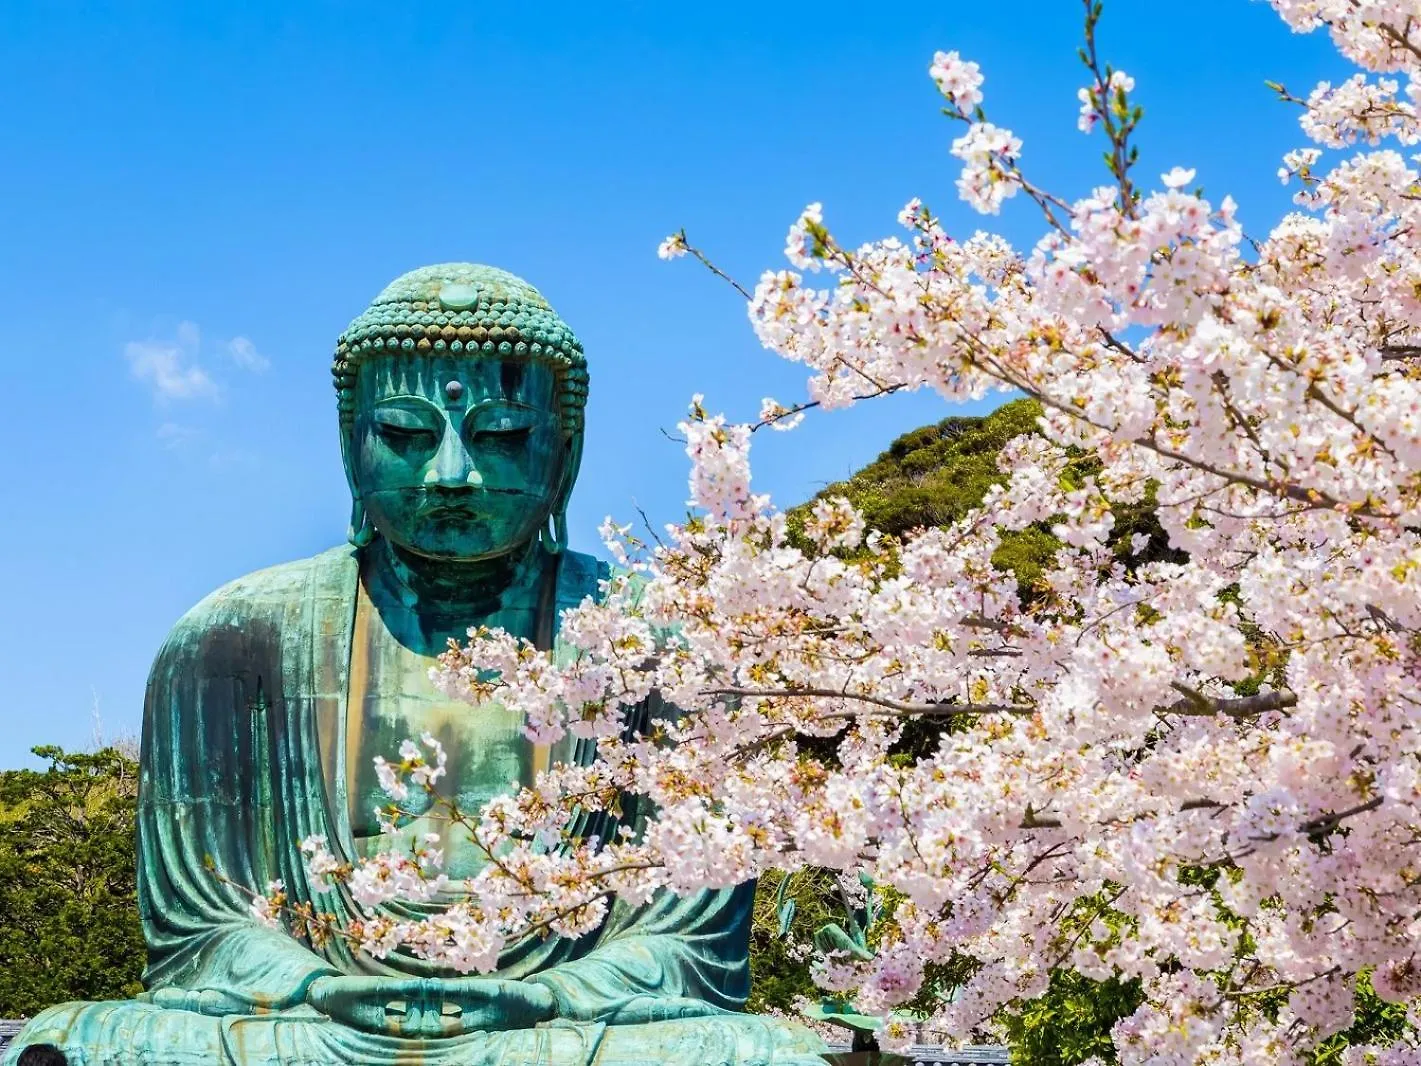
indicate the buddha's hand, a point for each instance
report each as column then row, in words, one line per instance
column 202, row 1001
column 639, row 1010
column 427, row 1007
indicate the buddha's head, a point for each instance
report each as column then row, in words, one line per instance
column 461, row 410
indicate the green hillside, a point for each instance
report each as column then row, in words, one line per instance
column 934, row 475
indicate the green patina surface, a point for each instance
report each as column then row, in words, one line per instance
column 461, row 396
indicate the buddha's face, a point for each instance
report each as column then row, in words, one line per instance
column 457, row 458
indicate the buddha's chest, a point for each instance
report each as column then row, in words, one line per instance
column 392, row 698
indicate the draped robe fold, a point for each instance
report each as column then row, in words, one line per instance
column 243, row 756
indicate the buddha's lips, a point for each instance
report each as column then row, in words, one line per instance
column 472, row 505
column 455, row 510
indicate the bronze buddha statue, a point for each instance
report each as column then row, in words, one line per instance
column 461, row 397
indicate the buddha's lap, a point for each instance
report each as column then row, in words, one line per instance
column 140, row 1034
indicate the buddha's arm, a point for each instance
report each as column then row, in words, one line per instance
column 673, row 957
column 209, row 831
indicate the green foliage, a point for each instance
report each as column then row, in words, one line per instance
column 935, row 475
column 777, row 977
column 67, row 882
column 1376, row 1022
column 1070, row 1021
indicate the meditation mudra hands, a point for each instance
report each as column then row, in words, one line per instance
column 414, row 1006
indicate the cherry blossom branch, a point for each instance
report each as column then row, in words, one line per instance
column 1393, row 353
column 1117, row 118
column 1195, row 703
column 938, row 710
column 677, row 244
column 784, row 413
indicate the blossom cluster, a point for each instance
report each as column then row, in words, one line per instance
column 1198, row 768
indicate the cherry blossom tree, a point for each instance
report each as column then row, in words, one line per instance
column 1202, row 774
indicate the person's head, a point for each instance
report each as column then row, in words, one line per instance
column 461, row 396
column 41, row 1055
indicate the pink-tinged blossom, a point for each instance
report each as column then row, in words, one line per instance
column 987, row 153
column 779, row 417
column 834, row 523
column 673, row 247
column 958, row 80
column 1095, row 101
column 802, row 246
column 321, row 863
column 389, row 777
column 1178, row 177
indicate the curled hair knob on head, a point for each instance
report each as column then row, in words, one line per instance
column 468, row 310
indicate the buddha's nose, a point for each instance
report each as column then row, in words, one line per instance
column 452, row 465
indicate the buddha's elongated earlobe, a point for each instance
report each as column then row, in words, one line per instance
column 553, row 535
column 361, row 531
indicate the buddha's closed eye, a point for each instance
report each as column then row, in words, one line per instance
column 406, row 427
column 512, row 437
column 406, row 436
column 504, row 423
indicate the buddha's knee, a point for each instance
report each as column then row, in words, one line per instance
column 119, row 1033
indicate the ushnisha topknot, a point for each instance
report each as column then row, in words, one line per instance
column 468, row 309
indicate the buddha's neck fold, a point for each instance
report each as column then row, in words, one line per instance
column 456, row 586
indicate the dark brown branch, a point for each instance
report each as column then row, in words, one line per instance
column 978, row 622
column 790, row 412
column 1196, row 704
column 1329, row 822
column 928, row 709
column 1395, row 353
column 705, row 262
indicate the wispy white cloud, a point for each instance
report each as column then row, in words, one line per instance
column 176, row 370
column 244, row 353
column 171, row 368
column 173, row 435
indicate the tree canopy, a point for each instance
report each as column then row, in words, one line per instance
column 67, row 888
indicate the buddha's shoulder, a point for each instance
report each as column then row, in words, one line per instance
column 580, row 575
column 273, row 591
column 269, row 597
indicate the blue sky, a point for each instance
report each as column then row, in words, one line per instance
column 197, row 198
